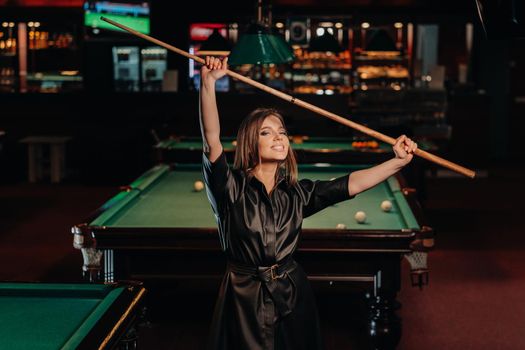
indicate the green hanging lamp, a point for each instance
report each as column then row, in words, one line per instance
column 258, row 45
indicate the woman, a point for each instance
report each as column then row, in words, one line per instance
column 265, row 300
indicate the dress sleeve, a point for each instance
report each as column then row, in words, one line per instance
column 219, row 182
column 317, row 195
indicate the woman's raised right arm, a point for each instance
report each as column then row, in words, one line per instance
column 213, row 70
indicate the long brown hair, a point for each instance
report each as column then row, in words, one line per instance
column 247, row 150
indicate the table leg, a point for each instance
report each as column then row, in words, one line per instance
column 129, row 340
column 384, row 326
column 57, row 159
column 91, row 269
column 33, row 162
column 109, row 267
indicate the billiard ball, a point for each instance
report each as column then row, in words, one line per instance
column 360, row 217
column 198, row 186
column 340, row 226
column 386, row 205
column 234, row 143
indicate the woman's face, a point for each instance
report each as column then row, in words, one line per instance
column 273, row 140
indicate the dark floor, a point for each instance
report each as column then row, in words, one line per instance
column 474, row 300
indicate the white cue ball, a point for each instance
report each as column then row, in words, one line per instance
column 340, row 226
column 386, row 205
column 360, row 217
column 198, row 186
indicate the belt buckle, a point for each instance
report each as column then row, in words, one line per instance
column 273, row 272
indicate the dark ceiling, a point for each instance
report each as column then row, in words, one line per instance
column 241, row 10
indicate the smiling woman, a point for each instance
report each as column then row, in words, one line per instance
column 265, row 301
column 263, row 146
column 273, row 141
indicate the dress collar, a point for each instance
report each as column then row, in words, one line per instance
column 281, row 180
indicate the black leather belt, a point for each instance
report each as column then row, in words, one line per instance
column 268, row 275
column 264, row 273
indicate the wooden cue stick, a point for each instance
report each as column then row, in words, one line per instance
column 365, row 130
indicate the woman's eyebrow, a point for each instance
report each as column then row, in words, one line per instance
column 269, row 127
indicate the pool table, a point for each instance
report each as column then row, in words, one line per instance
column 154, row 227
column 309, row 150
column 68, row 316
column 333, row 150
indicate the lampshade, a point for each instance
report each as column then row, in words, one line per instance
column 325, row 43
column 380, row 41
column 259, row 46
column 281, row 45
column 215, row 45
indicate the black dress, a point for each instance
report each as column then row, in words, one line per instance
column 258, row 307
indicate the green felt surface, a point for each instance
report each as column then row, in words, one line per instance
column 169, row 200
column 50, row 316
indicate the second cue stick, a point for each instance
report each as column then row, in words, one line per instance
column 361, row 128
